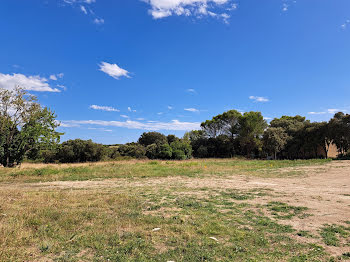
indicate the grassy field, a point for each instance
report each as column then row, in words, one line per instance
column 146, row 169
column 154, row 223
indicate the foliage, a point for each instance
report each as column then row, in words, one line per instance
column 133, row 150
column 149, row 138
column 24, row 126
column 79, row 150
column 274, row 139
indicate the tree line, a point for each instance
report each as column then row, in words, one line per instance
column 28, row 130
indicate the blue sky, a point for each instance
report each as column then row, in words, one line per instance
column 114, row 69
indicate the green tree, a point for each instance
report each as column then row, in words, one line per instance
column 339, row 127
column 274, row 140
column 149, row 138
column 24, row 125
column 252, row 126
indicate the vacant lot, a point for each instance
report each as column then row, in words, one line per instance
column 198, row 210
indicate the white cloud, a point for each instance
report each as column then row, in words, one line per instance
column 63, row 87
column 124, row 116
column 191, row 90
column 30, row 83
column 259, row 99
column 198, row 8
column 328, row 111
column 83, row 9
column 113, row 70
column 316, row 113
column 53, row 77
column 345, row 25
column 191, row 109
column 334, row 111
column 99, row 21
column 170, row 107
column 285, row 7
column 130, row 109
column 175, row 125
column 104, row 108
column 140, row 118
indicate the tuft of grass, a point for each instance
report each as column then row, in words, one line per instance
column 331, row 234
column 284, row 211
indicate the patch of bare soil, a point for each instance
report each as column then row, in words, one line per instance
column 325, row 190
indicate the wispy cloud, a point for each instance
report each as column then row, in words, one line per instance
column 191, row 110
column 259, row 99
column 104, row 108
column 170, row 107
column 197, row 8
column 99, row 21
column 174, row 125
column 83, row 9
column 113, row 70
column 191, row 91
column 130, row 109
column 345, row 25
column 124, row 116
column 328, row 111
column 30, row 83
column 56, row 76
column 85, row 6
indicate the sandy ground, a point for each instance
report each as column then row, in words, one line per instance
column 325, row 190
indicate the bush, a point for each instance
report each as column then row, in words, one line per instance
column 133, row 150
column 165, row 152
column 179, row 155
column 183, row 146
column 113, row 153
column 149, row 138
column 80, row 151
column 48, row 156
column 202, row 152
column 152, row 151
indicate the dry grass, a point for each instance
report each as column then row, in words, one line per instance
column 199, row 206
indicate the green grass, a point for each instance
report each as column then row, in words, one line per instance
column 144, row 169
column 332, row 234
column 284, row 211
column 196, row 223
column 109, row 225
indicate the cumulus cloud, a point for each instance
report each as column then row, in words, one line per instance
column 259, row 99
column 191, row 109
column 104, row 108
column 30, row 83
column 113, row 70
column 198, row 8
column 174, row 125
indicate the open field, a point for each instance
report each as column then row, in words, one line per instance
column 198, row 210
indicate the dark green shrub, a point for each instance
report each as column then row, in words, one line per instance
column 132, row 150
column 80, row 151
column 152, row 151
column 179, row 155
column 149, row 138
column 183, row 146
column 165, row 152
